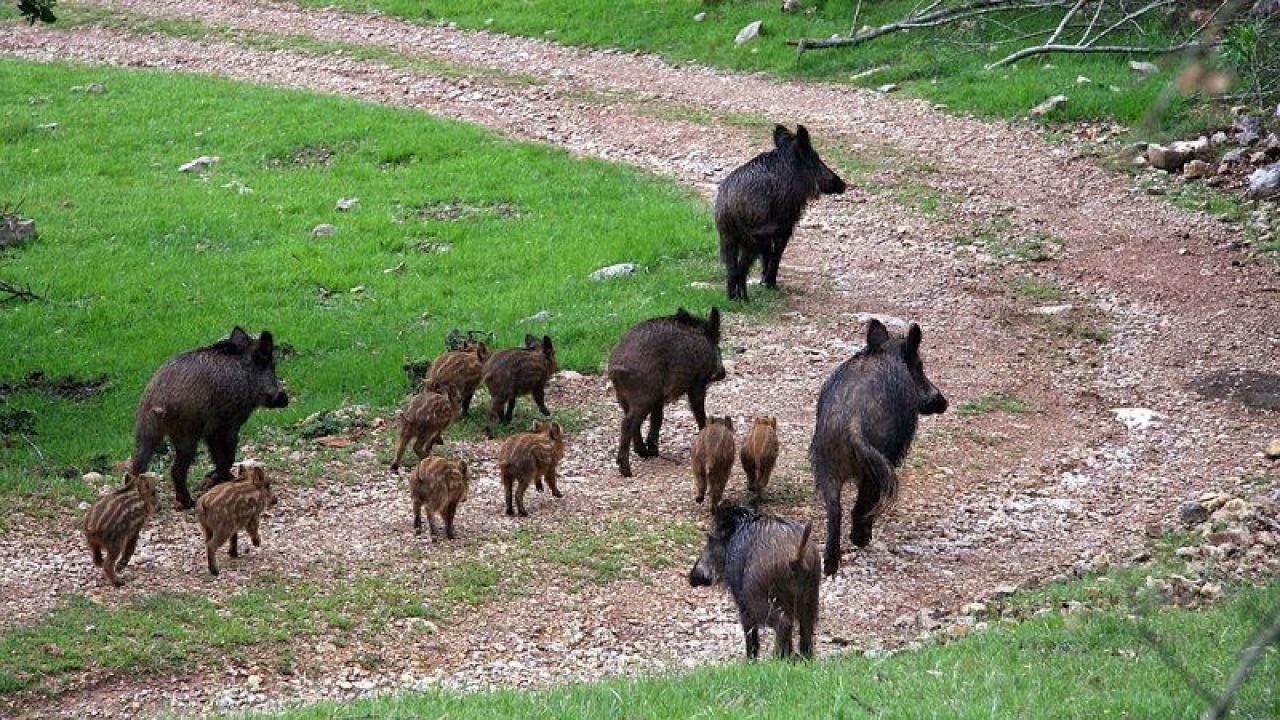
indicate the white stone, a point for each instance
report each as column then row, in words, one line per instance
column 200, row 164
column 1136, row 418
column 613, row 271
column 748, row 33
column 1144, row 67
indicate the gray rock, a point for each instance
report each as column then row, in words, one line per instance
column 323, row 230
column 1265, row 182
column 1144, row 67
column 1231, row 157
column 345, row 204
column 16, row 230
column 748, row 33
column 96, row 89
column 1248, row 129
column 613, row 271
column 1273, row 449
column 540, row 316
column 1192, row 513
column 1048, row 106
column 887, row 88
column 1196, row 169
column 1167, row 158
column 700, row 17
column 200, row 164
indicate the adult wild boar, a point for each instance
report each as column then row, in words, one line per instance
column 655, row 363
column 759, row 204
column 208, row 394
column 867, row 415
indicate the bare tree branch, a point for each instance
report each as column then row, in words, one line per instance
column 16, row 291
column 930, row 17
column 1045, row 49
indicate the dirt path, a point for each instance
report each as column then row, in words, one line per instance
column 990, row 498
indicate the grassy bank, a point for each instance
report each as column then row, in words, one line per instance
column 455, row 228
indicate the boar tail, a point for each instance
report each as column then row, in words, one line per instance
column 876, row 479
column 798, row 561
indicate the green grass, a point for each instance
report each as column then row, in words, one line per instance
column 946, row 68
column 137, row 262
column 991, row 402
column 1076, row 664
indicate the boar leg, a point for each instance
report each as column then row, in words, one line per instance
column 697, row 404
column 130, row 545
column 806, row 618
column 521, row 487
column 699, row 484
column 752, row 635
column 252, row 529
column 539, row 397
column 234, row 550
column 95, row 551
column 184, row 453
column 651, row 441
column 877, row 485
column 510, row 411
column 630, row 430
column 782, row 643
column 450, row 511
column 405, row 435
column 829, row 487
column 551, row 483
column 109, row 565
column 422, row 446
column 417, row 516
column 507, row 482
column 222, row 451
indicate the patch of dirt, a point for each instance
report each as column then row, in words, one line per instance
column 1252, row 388
column 989, row 500
column 67, row 387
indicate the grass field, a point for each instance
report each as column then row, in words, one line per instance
column 946, row 67
column 136, row 261
column 1077, row 663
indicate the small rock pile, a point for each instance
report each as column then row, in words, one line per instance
column 1247, row 153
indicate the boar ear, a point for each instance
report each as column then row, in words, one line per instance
column 530, row 341
column 557, row 432
column 802, row 136
column 914, row 336
column 462, row 466
column 877, row 335
column 239, row 339
column 781, row 136
column 773, row 422
column 713, row 321
column 547, row 347
column 264, row 351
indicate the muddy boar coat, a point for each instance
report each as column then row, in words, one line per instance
column 206, row 393
column 866, row 418
column 655, row 363
column 112, row 525
column 530, row 457
column 713, row 460
column 440, row 485
column 771, row 570
column 463, row 369
column 758, row 205
column 231, row 507
column 424, row 419
column 760, row 453
column 513, row 372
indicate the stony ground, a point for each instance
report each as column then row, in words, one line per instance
column 1155, row 306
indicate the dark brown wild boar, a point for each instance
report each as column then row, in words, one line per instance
column 760, row 452
column 112, row 525
column 231, row 507
column 655, row 363
column 440, row 485
column 206, row 393
column 424, row 419
column 713, row 459
column 867, row 415
column 758, row 205
column 463, row 369
column 771, row 570
column 513, row 372
column 530, row 457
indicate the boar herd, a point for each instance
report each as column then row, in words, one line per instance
column 867, row 415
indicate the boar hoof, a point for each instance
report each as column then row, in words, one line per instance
column 698, row 499
column 860, row 537
column 624, row 469
column 556, row 493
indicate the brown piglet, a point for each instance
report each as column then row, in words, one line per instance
column 234, row 506
column 424, row 419
column 462, row 369
column 113, row 524
column 440, row 485
column 513, row 372
column 760, row 452
column 530, row 457
column 713, row 459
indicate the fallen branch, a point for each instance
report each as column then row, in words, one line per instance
column 927, row 18
column 1069, row 49
column 16, row 292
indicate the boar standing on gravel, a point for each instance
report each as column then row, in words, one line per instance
column 441, row 485
column 113, row 524
column 513, row 372
column 771, row 570
column 206, row 393
column 713, row 459
column 759, row 204
column 462, row 369
column 234, row 506
column 760, row 453
column 530, row 457
column 867, row 415
column 424, row 419
column 655, row 363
